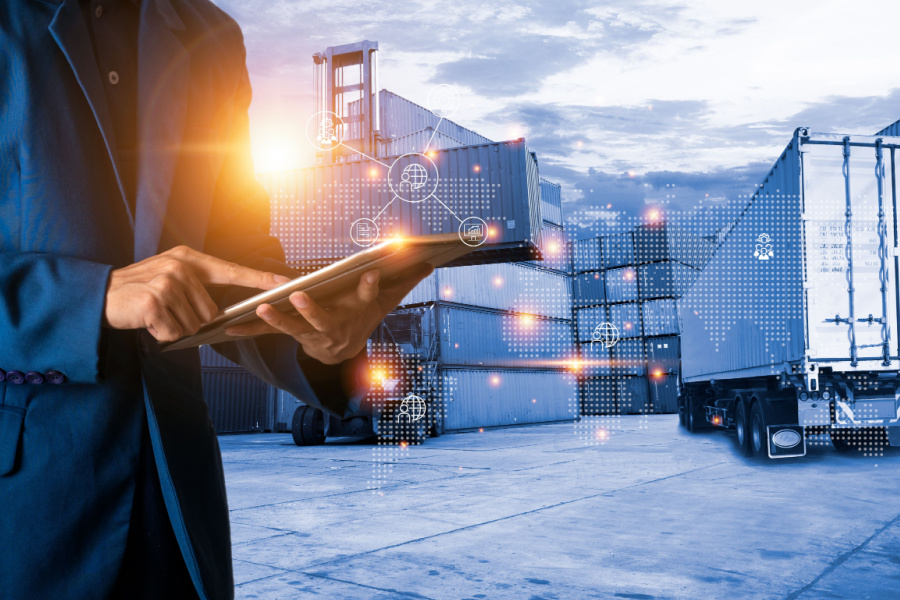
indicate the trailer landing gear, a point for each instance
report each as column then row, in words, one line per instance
column 308, row 426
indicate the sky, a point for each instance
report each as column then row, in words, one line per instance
column 682, row 106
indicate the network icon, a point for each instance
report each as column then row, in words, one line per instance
column 413, row 408
column 605, row 333
column 412, row 177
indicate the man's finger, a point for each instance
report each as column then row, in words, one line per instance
column 215, row 271
column 199, row 298
column 314, row 314
column 293, row 326
column 367, row 290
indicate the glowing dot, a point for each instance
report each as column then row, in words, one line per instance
column 477, row 168
column 403, row 444
column 596, row 275
column 456, row 345
column 609, row 206
column 373, row 172
column 526, row 320
column 495, row 380
column 629, row 274
column 480, row 430
column 657, row 373
column 498, row 281
column 627, row 325
column 448, row 292
column 491, row 232
column 653, row 215
column 601, row 434
column 552, row 248
column 534, row 400
column 631, row 173
column 580, row 144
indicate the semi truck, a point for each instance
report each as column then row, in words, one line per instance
column 791, row 328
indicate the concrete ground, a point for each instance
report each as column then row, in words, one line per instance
column 550, row 512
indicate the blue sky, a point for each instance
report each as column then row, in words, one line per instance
column 675, row 104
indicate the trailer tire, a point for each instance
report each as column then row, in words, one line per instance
column 682, row 412
column 759, row 437
column 308, row 426
column 695, row 420
column 742, row 428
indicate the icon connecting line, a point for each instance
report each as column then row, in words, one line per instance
column 412, row 177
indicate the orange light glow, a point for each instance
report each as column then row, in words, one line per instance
column 596, row 275
column 477, row 168
column 456, row 345
column 480, row 430
column 534, row 400
column 653, row 215
column 552, row 248
column 575, row 365
column 495, row 380
column 448, row 292
column 601, row 434
column 657, row 373
column 579, row 144
column 373, row 172
column 526, row 320
column 431, row 154
column 491, row 232
column 378, row 376
column 629, row 274
column 627, row 325
column 498, row 281
column 404, row 444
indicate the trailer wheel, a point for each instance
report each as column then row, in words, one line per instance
column 694, row 419
column 682, row 412
column 759, row 443
column 741, row 426
column 308, row 426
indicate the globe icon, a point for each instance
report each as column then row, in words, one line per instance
column 605, row 333
column 413, row 407
column 413, row 175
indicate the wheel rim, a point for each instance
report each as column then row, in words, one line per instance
column 740, row 425
column 757, row 434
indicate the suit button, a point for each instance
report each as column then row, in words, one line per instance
column 15, row 377
column 34, row 377
column 55, row 377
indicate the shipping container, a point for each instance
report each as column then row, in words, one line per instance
column 598, row 396
column 516, row 287
column 627, row 319
column 663, row 361
column 621, row 285
column 469, row 336
column 555, row 251
column 209, row 358
column 663, row 242
column 594, row 360
column 629, row 358
column 617, row 250
column 586, row 255
column 586, row 322
column 793, row 321
column 494, row 397
column 892, row 130
column 665, row 280
column 660, row 317
column 312, row 209
column 551, row 202
column 403, row 120
column 632, row 395
column 238, row 401
column 589, row 289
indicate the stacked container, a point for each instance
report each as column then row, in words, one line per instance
column 628, row 284
column 499, row 337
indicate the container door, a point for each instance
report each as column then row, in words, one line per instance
column 850, row 236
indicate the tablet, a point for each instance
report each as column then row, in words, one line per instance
column 392, row 259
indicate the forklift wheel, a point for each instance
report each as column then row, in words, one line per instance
column 308, row 426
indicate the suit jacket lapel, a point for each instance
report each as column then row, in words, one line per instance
column 71, row 35
column 163, row 74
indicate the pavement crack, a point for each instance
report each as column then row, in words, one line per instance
column 841, row 560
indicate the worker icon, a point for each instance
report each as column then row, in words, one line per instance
column 413, row 177
column 605, row 333
column 325, row 130
column 763, row 247
column 413, row 408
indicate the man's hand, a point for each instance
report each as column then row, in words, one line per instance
column 166, row 294
column 337, row 332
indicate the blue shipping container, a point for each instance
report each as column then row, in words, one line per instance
column 598, row 395
column 617, row 250
column 663, row 241
column 551, row 202
column 632, row 395
column 594, row 359
column 621, row 285
column 586, row 255
column 665, row 280
column 660, row 317
column 628, row 357
column 589, row 289
column 555, row 251
column 587, row 320
column 627, row 319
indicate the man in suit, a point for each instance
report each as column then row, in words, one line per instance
column 128, row 211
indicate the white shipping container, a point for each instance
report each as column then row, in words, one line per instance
column 517, row 287
column 777, row 290
column 494, row 397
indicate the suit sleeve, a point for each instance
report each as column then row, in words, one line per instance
column 239, row 231
column 51, row 314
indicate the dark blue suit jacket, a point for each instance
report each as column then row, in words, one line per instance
column 68, row 450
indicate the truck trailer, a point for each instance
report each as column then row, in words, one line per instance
column 789, row 329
